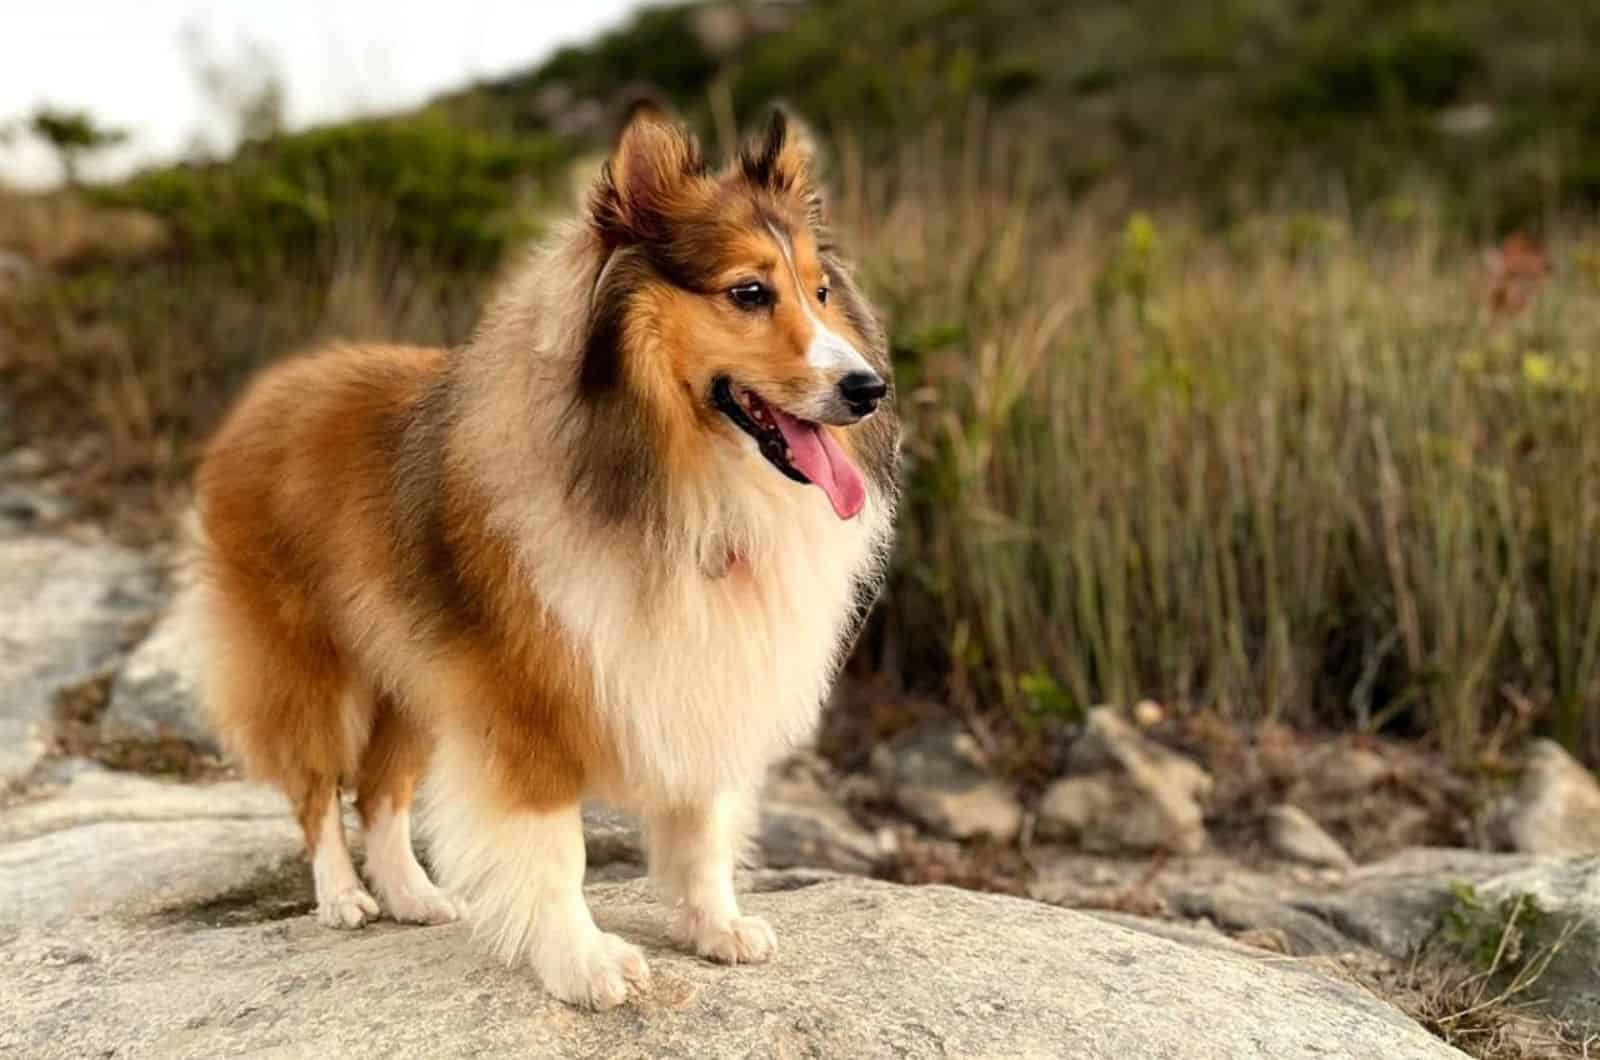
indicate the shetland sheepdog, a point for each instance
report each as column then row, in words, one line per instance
column 614, row 547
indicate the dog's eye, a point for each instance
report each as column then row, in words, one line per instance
column 752, row 295
column 822, row 295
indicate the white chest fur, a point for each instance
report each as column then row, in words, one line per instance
column 701, row 680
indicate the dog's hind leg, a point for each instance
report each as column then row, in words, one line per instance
column 279, row 696
column 394, row 760
column 341, row 900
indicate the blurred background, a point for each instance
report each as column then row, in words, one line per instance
column 1249, row 348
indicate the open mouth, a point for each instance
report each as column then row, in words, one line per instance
column 801, row 449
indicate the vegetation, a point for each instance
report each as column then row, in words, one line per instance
column 72, row 134
column 1471, row 982
column 1213, row 395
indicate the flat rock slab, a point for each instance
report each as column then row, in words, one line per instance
column 128, row 847
column 866, row 969
column 147, row 919
column 67, row 609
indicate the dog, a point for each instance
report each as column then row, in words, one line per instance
column 614, row 547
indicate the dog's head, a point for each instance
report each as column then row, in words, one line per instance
column 722, row 308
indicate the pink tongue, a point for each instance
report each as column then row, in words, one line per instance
column 817, row 456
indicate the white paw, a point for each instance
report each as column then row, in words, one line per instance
column 349, row 908
column 419, row 902
column 742, row 940
column 601, row 975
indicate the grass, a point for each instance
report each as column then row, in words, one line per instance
column 1471, row 984
column 1298, row 471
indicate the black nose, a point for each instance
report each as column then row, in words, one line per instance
column 862, row 391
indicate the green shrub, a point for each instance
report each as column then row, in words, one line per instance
column 418, row 187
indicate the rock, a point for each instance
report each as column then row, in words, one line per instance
column 613, row 843
column 124, row 846
column 1294, row 835
column 145, row 919
column 804, row 824
column 153, row 696
column 1398, row 905
column 67, row 608
column 16, row 272
column 1555, row 809
column 25, row 508
column 1458, row 899
column 1147, row 714
column 1243, row 910
column 1567, row 918
column 934, row 773
column 1126, row 793
column 1345, row 771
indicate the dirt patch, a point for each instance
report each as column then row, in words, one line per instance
column 76, row 734
column 281, row 893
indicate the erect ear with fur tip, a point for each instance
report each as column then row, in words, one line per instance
column 652, row 162
column 781, row 157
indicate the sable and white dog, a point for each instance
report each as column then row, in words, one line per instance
column 614, row 547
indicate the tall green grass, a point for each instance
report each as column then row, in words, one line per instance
column 1297, row 471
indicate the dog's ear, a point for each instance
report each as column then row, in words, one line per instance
column 652, row 164
column 782, row 158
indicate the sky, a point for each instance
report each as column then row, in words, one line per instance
column 126, row 61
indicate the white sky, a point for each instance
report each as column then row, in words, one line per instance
column 125, row 62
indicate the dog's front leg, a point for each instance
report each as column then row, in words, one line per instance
column 693, row 850
column 520, row 871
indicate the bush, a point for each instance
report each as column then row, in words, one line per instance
column 421, row 187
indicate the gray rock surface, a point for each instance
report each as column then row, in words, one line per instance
column 1346, row 771
column 1126, row 793
column 1567, row 893
column 139, row 918
column 1396, row 906
column 804, row 823
column 1295, row 835
column 1555, row 808
column 67, row 610
column 934, row 774
column 153, row 696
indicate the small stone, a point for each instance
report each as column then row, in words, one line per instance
column 803, row 825
column 1294, row 835
column 24, row 507
column 16, row 271
column 25, row 462
column 1126, row 793
column 1555, row 808
column 934, row 774
column 1348, row 771
column 1147, row 714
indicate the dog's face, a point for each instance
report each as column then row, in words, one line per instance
column 721, row 303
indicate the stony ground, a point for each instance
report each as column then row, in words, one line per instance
column 1247, row 894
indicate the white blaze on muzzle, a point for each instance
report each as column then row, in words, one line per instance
column 829, row 353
